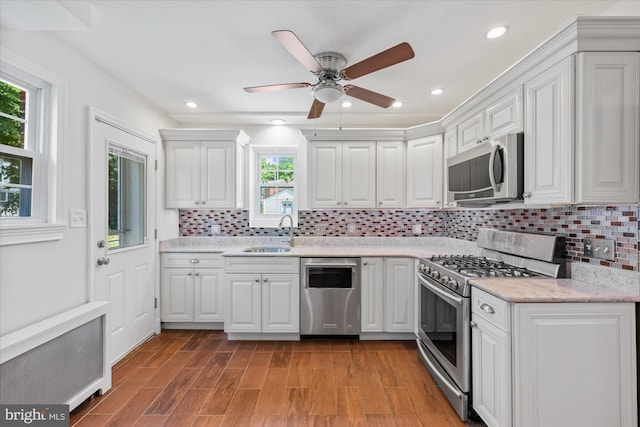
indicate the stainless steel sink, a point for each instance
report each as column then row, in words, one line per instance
column 267, row 249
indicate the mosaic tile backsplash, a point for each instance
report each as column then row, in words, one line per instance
column 574, row 222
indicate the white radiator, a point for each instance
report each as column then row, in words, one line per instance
column 60, row 360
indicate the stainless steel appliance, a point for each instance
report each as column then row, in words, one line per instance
column 330, row 297
column 444, row 332
column 491, row 172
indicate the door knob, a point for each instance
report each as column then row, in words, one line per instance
column 104, row 261
column 101, row 243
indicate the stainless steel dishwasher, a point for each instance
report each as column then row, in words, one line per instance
column 330, row 297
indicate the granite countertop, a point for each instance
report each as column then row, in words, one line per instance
column 589, row 283
column 540, row 290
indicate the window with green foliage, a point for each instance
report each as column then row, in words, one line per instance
column 16, row 159
column 274, row 185
column 277, row 180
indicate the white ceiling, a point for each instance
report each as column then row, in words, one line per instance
column 207, row 51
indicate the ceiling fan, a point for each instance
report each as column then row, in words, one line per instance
column 329, row 69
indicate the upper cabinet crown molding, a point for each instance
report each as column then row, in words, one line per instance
column 353, row 134
column 422, row 131
column 191, row 134
column 586, row 33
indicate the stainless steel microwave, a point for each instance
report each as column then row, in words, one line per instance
column 491, row 172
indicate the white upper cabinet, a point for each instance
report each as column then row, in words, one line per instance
column 607, row 127
column 424, row 172
column 499, row 118
column 342, row 174
column 390, row 174
column 325, row 175
column 204, row 168
column 358, row 174
column 549, row 107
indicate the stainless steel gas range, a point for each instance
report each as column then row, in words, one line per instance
column 444, row 333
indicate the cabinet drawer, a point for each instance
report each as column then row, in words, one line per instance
column 262, row 264
column 493, row 309
column 192, row 259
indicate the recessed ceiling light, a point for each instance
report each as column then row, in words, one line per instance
column 191, row 104
column 347, row 104
column 277, row 122
column 496, row 32
column 437, row 91
column 397, row 104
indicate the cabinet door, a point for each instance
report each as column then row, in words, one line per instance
column 471, row 132
column 424, row 172
column 575, row 364
column 390, row 174
column 491, row 368
column 505, row 115
column 399, row 278
column 450, row 149
column 372, row 295
column 243, row 310
column 280, row 303
column 182, row 174
column 607, row 124
column 218, row 175
column 208, row 295
column 176, row 295
column 325, row 175
column 359, row 174
column 548, row 153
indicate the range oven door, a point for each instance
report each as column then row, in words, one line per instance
column 444, row 330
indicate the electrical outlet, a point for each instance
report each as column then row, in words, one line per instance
column 417, row 229
column 77, row 219
column 215, row 228
column 351, row 228
column 599, row 248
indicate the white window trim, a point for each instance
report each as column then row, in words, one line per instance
column 255, row 219
column 45, row 223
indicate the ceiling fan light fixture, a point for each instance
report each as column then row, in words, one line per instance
column 327, row 92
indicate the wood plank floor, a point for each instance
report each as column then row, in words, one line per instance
column 199, row 378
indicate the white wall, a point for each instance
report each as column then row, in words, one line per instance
column 43, row 279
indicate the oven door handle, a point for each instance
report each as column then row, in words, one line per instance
column 458, row 300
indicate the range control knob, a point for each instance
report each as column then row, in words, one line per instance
column 435, row 275
column 452, row 284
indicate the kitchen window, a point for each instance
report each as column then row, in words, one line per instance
column 274, row 191
column 28, row 173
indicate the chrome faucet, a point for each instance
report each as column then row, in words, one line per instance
column 290, row 241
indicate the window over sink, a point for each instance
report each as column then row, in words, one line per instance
column 274, row 186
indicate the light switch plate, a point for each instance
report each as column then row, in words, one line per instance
column 77, row 218
column 599, row 248
column 417, row 229
column 351, row 228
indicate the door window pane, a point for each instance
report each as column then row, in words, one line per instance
column 127, row 195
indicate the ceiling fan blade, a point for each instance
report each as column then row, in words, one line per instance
column 384, row 59
column 292, row 43
column 369, row 96
column 270, row 88
column 316, row 109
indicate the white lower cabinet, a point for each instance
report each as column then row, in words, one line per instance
column 387, row 294
column 263, row 295
column 553, row 364
column 191, row 287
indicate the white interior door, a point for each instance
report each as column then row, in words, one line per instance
column 122, row 228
